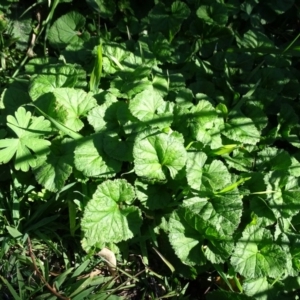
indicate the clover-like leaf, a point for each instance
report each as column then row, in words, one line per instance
column 108, row 216
column 29, row 131
column 256, row 255
column 157, row 153
column 92, row 161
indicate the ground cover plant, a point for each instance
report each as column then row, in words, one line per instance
column 164, row 134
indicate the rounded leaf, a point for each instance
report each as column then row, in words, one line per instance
column 107, row 217
column 156, row 154
column 92, row 161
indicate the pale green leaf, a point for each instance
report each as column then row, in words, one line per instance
column 108, row 216
column 241, row 129
column 214, row 176
column 157, row 154
column 148, row 106
column 75, row 103
column 52, row 78
column 97, row 71
column 194, row 168
column 256, row 255
column 29, row 131
column 259, row 288
column 200, row 228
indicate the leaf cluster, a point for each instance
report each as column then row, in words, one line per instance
column 173, row 125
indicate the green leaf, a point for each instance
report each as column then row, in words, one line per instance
column 113, row 56
column 204, row 113
column 256, row 40
column 240, row 159
column 272, row 158
column 92, row 161
column 241, row 129
column 259, row 288
column 105, row 8
column 21, row 29
column 201, row 226
column 168, row 19
column 10, row 288
column 256, row 255
column 72, row 104
column 65, row 130
column 29, row 131
column 52, row 78
column 66, row 29
column 12, row 98
column 149, row 107
column 56, row 169
column 14, row 232
column 130, row 82
column 185, row 239
column 285, row 196
column 97, row 71
column 104, row 116
column 194, row 167
column 158, row 154
column 263, row 211
column 109, row 216
column 152, row 196
column 118, row 148
column 213, row 13
column 214, row 176
column 224, row 295
column 278, row 6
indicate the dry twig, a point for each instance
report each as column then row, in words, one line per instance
column 40, row 275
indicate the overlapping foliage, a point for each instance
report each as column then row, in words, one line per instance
column 177, row 119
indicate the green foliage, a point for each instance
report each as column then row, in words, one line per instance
column 170, row 126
